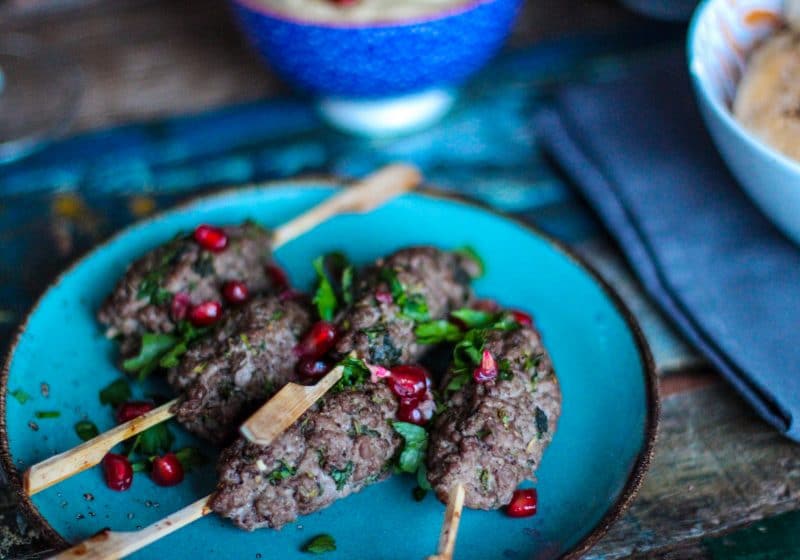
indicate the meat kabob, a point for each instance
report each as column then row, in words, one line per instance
column 346, row 440
column 166, row 302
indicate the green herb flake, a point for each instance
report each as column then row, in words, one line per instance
column 115, row 393
column 541, row 422
column 42, row 414
column 434, row 332
column 190, row 458
column 325, row 296
column 354, row 373
column 320, row 544
column 283, row 472
column 484, row 477
column 347, row 284
column 412, row 306
column 502, row 415
column 140, row 466
column 279, row 314
column 153, row 347
column 505, row 370
column 154, row 440
column 86, row 430
column 414, row 446
column 473, row 255
column 341, row 476
column 21, row 396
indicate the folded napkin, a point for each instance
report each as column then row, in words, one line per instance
column 637, row 150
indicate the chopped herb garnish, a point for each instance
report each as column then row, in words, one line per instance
column 541, row 422
column 41, row 414
column 502, row 415
column 204, row 265
column 86, row 430
column 357, row 429
column 347, row 284
column 355, row 373
column 320, row 544
column 140, row 466
column 484, row 477
column 190, row 458
column 325, row 296
column 21, row 396
column 422, row 477
column 412, row 306
column 533, row 361
column 116, row 393
column 473, row 255
column 414, row 446
column 275, row 317
column 283, row 472
column 341, row 476
column 505, row 370
column 434, row 332
column 477, row 319
column 153, row 348
column 154, row 440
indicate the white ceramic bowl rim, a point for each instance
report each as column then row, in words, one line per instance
column 720, row 110
column 257, row 6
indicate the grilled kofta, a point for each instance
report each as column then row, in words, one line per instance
column 161, row 288
column 345, row 441
column 225, row 376
column 411, row 285
column 341, row 445
column 497, row 418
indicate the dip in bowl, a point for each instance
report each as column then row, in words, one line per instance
column 377, row 66
column 722, row 36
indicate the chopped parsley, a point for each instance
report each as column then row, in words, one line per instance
column 325, row 296
column 42, row 414
column 505, row 370
column 115, row 393
column 320, row 544
column 341, row 476
column 21, row 396
column 190, row 458
column 434, row 332
column 502, row 415
column 414, row 446
column 335, row 284
column 86, row 430
column 412, row 306
column 140, row 466
column 153, row 440
column 484, row 477
column 283, row 472
column 354, row 373
column 150, row 286
column 162, row 350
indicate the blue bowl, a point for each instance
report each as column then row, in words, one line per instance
column 721, row 35
column 376, row 62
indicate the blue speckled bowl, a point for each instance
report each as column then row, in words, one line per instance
column 379, row 60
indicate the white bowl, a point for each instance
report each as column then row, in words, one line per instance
column 721, row 35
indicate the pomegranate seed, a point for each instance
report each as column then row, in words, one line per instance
column 408, row 381
column 235, row 292
column 522, row 318
column 409, row 411
column 378, row 372
column 180, row 306
column 205, row 314
column 211, row 238
column 487, row 370
column 383, row 296
column 523, row 503
column 312, row 369
column 317, row 341
column 278, row 277
column 118, row 471
column 167, row 470
column 132, row 409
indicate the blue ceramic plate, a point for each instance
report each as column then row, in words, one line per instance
column 588, row 476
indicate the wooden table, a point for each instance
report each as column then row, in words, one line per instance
column 717, row 466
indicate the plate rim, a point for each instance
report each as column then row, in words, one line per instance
column 633, row 482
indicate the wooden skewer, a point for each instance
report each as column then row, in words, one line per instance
column 367, row 194
column 791, row 12
column 452, row 517
column 283, row 409
column 111, row 545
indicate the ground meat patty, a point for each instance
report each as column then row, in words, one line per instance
column 141, row 300
column 338, row 447
column 379, row 328
column 492, row 435
column 227, row 375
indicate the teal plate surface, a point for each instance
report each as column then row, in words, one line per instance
column 587, row 477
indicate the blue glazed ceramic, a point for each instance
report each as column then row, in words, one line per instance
column 588, row 476
column 720, row 37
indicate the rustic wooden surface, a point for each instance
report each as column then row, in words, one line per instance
column 717, row 467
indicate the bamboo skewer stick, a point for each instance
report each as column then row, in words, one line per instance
column 111, row 545
column 791, row 11
column 452, row 517
column 367, row 194
column 283, row 409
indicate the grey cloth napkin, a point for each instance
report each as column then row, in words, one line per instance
column 636, row 148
